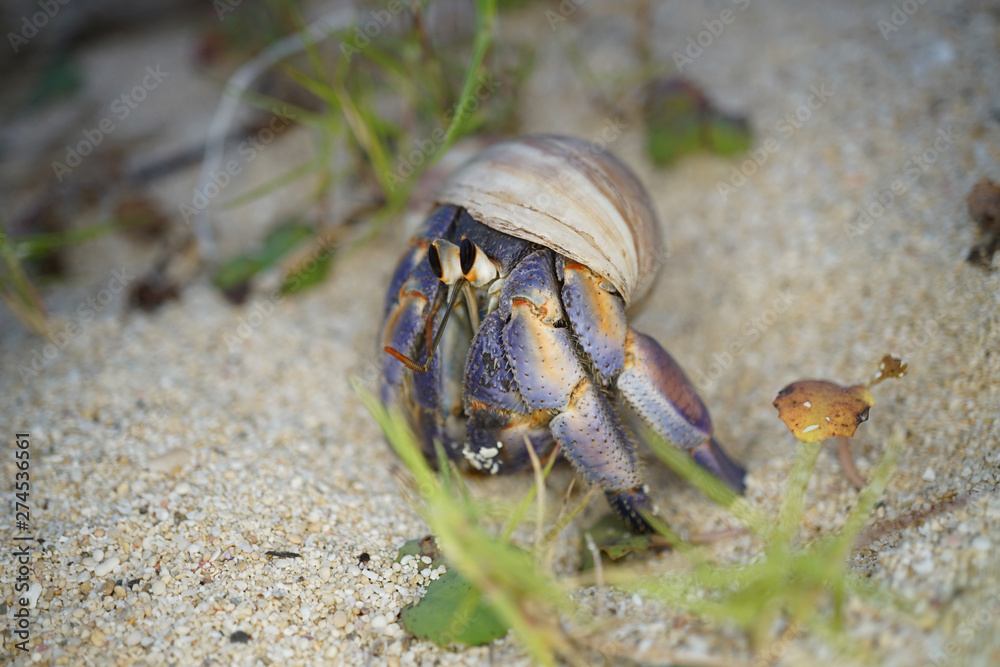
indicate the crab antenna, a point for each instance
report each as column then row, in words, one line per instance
column 432, row 348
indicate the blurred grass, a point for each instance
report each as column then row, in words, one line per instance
column 523, row 598
column 439, row 95
column 17, row 288
column 795, row 582
column 439, row 100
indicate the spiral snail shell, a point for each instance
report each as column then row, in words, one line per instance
column 568, row 195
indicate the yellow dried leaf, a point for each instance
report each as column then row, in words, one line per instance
column 890, row 367
column 814, row 410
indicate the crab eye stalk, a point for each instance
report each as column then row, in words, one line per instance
column 434, row 259
column 443, row 257
column 476, row 266
column 467, row 255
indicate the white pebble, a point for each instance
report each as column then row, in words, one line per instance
column 924, row 567
column 106, row 567
column 133, row 638
column 982, row 543
column 379, row 622
column 339, row 619
column 33, row 592
column 169, row 461
column 929, row 475
column 159, row 588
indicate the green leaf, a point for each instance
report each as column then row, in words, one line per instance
column 422, row 546
column 453, row 611
column 60, row 79
column 681, row 119
column 278, row 243
column 307, row 275
column 236, row 271
column 666, row 146
column 281, row 240
column 612, row 537
column 728, row 135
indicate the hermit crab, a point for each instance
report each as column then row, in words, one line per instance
column 505, row 322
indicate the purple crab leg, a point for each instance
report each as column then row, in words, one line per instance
column 413, row 295
column 591, row 437
column 499, row 420
column 597, row 315
column 550, row 376
column 404, row 329
column 660, row 394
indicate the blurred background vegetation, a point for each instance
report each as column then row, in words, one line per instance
column 383, row 91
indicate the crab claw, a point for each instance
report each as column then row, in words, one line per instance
column 712, row 457
column 632, row 506
column 661, row 395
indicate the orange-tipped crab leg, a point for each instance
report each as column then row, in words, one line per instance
column 550, row 376
column 660, row 394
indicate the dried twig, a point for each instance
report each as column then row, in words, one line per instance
column 236, row 87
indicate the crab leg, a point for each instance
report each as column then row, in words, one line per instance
column 411, row 319
column 648, row 378
column 550, row 376
column 499, row 419
column 405, row 329
column 660, row 394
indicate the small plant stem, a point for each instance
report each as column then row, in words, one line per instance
column 717, row 535
column 871, row 493
column 515, row 518
column 791, row 508
column 838, row 605
column 20, row 295
column 847, row 463
column 564, row 521
column 236, row 86
column 486, row 11
column 540, row 486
